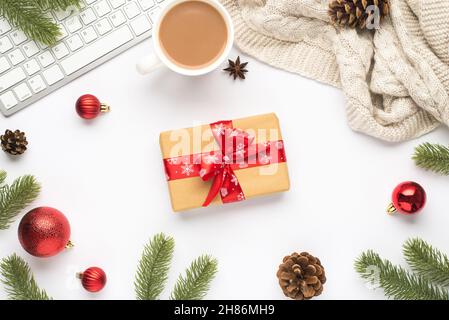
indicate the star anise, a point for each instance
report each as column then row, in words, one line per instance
column 236, row 68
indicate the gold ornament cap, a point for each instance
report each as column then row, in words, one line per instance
column 391, row 209
column 104, row 108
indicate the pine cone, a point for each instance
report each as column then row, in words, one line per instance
column 353, row 13
column 14, row 142
column 301, row 276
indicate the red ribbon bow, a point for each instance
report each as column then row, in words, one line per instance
column 234, row 149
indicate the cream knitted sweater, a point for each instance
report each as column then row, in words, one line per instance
column 396, row 80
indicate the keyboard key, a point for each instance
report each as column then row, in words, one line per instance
column 103, row 26
column 5, row 44
column 22, row 92
column 140, row 25
column 4, row 64
column 42, row 46
column 30, row 48
column 154, row 14
column 88, row 16
column 146, row 4
column 18, row 37
column 75, row 42
column 117, row 3
column 4, row 26
column 8, row 100
column 61, row 15
column 60, row 50
column 16, row 57
column 53, row 75
column 117, row 18
column 131, row 10
column 31, row 67
column 73, row 24
column 89, row 34
column 98, row 49
column 37, row 84
column 46, row 59
column 11, row 78
column 63, row 32
column 102, row 8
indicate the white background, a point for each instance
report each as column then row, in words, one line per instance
column 107, row 177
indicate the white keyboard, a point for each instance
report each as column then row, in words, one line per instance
column 99, row 31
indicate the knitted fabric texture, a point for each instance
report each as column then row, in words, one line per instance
column 395, row 80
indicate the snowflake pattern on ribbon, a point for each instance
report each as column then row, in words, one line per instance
column 211, row 158
column 219, row 129
column 240, row 150
column 279, row 145
column 187, row 169
column 234, row 180
column 265, row 159
column 224, row 192
column 172, row 161
column 197, row 159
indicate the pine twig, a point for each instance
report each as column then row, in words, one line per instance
column 434, row 157
column 427, row 261
column 196, row 282
column 27, row 16
column 3, row 175
column 19, row 281
column 57, row 4
column 16, row 197
column 154, row 265
column 396, row 281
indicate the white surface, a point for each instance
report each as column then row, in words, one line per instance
column 107, row 177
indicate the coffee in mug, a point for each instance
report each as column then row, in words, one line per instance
column 191, row 37
column 193, row 34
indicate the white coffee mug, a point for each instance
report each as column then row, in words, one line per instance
column 159, row 59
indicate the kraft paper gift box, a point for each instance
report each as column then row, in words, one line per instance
column 199, row 172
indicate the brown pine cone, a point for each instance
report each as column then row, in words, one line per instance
column 14, row 143
column 301, row 276
column 353, row 13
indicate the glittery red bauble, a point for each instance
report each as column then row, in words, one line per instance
column 89, row 107
column 44, row 232
column 93, row 279
column 408, row 197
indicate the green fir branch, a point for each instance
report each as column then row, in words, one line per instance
column 3, row 176
column 19, row 281
column 427, row 261
column 154, row 265
column 434, row 157
column 56, row 5
column 396, row 281
column 196, row 282
column 27, row 16
column 16, row 197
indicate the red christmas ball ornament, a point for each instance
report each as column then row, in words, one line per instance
column 44, row 232
column 93, row 279
column 407, row 198
column 89, row 107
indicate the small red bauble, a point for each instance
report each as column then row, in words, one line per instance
column 89, row 107
column 93, row 279
column 407, row 198
column 44, row 232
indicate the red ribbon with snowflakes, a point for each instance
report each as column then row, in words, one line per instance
column 237, row 151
